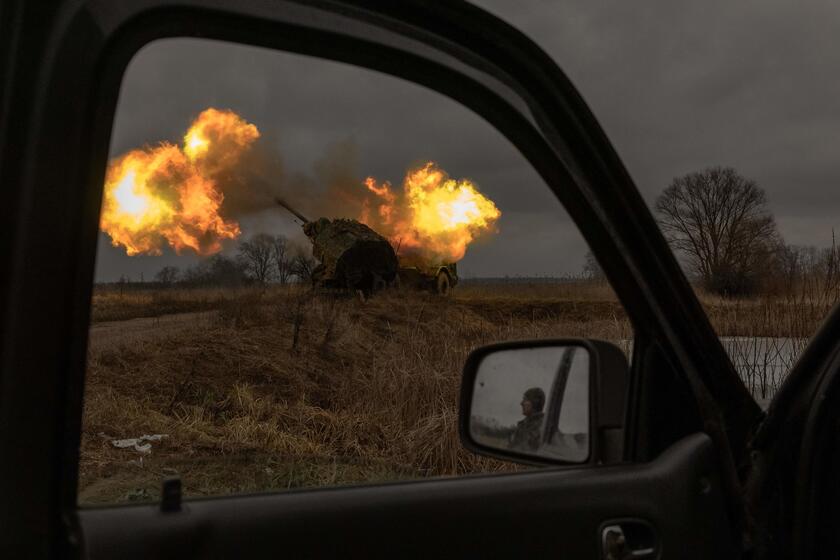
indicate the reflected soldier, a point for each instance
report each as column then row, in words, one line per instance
column 528, row 433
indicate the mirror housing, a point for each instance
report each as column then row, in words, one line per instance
column 608, row 373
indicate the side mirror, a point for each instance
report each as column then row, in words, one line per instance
column 545, row 401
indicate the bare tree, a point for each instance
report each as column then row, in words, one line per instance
column 303, row 264
column 282, row 259
column 167, row 275
column 257, row 253
column 591, row 269
column 720, row 222
column 796, row 262
column 809, row 270
column 217, row 270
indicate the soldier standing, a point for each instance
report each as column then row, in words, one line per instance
column 528, row 433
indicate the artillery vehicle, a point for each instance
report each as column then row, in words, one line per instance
column 439, row 278
column 351, row 255
column 354, row 257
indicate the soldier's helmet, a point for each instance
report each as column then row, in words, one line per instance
column 537, row 398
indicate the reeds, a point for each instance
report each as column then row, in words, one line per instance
column 316, row 388
column 766, row 334
column 286, row 388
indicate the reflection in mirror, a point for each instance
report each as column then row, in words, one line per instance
column 533, row 401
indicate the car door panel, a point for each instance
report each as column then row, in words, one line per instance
column 551, row 511
column 688, row 494
column 792, row 488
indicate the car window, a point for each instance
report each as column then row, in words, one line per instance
column 737, row 143
column 295, row 257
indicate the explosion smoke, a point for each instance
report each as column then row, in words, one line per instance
column 173, row 195
column 170, row 194
column 433, row 219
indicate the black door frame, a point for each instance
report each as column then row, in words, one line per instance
column 53, row 209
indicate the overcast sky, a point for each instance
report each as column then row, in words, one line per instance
column 678, row 86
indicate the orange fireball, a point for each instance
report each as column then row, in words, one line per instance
column 168, row 195
column 434, row 219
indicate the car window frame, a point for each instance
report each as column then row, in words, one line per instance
column 91, row 44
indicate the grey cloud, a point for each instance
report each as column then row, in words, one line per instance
column 327, row 120
column 678, row 86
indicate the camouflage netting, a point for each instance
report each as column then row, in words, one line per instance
column 351, row 254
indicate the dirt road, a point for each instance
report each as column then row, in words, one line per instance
column 106, row 335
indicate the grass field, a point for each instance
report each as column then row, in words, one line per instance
column 282, row 388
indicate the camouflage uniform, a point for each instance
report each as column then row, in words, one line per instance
column 528, row 433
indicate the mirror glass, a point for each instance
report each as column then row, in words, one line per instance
column 533, row 401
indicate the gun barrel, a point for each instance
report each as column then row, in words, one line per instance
column 297, row 214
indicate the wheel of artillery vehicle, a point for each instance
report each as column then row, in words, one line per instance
column 443, row 286
column 378, row 284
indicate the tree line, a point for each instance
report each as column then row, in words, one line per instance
column 719, row 224
column 260, row 259
column 717, row 221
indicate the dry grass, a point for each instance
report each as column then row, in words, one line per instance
column 114, row 304
column 766, row 333
column 564, row 290
column 285, row 388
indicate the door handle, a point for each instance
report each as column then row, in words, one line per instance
column 627, row 540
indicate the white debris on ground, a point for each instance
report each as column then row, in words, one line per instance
column 137, row 443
